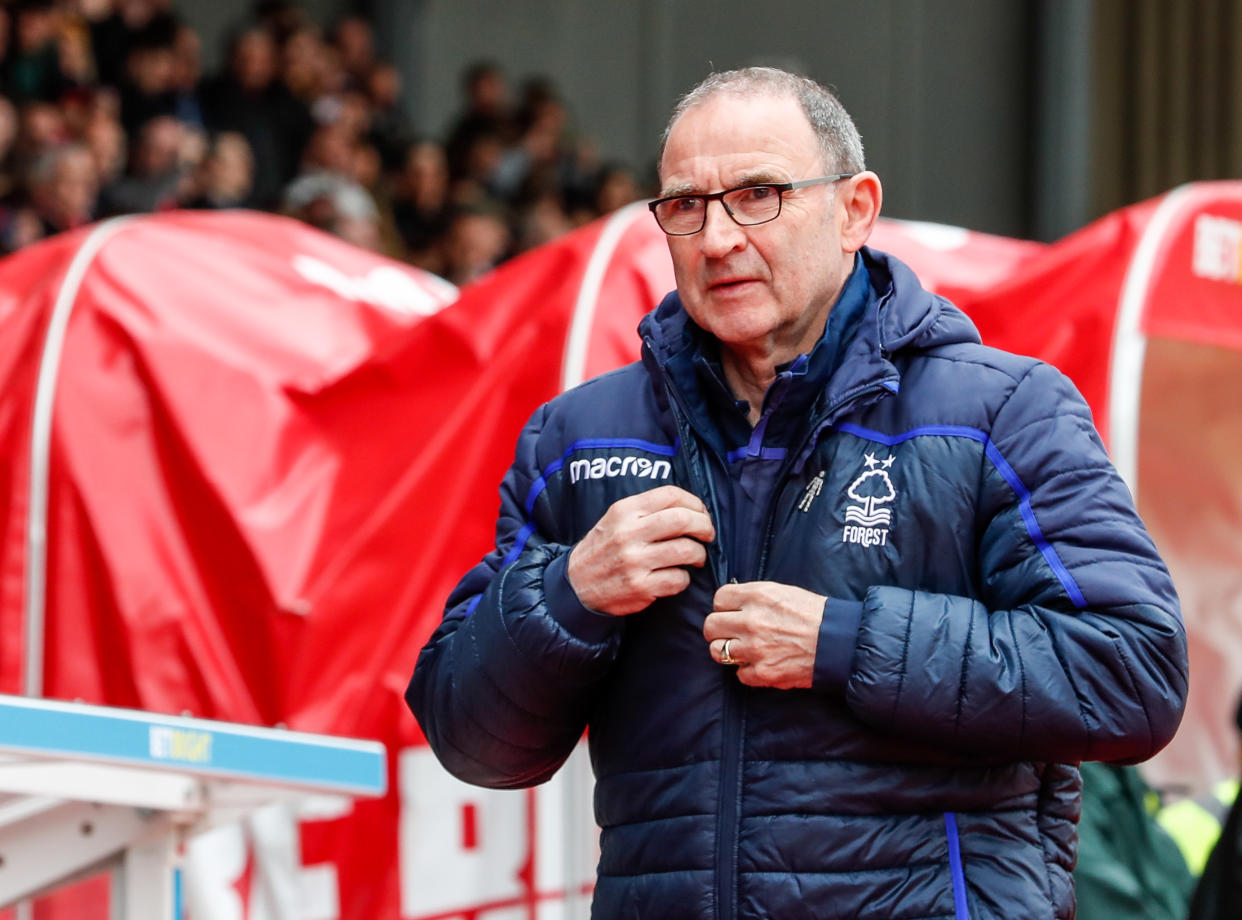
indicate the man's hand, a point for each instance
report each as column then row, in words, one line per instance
column 639, row 549
column 772, row 629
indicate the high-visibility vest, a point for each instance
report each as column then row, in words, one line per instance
column 1195, row 824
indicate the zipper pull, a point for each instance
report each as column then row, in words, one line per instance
column 812, row 492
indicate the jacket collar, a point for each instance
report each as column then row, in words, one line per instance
column 875, row 323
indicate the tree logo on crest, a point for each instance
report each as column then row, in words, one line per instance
column 867, row 522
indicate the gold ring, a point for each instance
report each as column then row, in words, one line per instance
column 725, row 657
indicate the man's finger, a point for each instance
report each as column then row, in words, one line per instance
column 667, row 523
column 676, row 552
column 724, row 625
column 664, row 497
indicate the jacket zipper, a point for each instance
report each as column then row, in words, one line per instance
column 733, row 714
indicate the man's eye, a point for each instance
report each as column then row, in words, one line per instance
column 686, row 205
column 758, row 193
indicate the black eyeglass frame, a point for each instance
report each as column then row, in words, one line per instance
column 779, row 187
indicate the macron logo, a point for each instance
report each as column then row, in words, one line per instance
column 610, row 467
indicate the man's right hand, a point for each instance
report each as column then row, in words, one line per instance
column 639, row 549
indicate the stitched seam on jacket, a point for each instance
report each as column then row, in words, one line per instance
column 1140, row 562
column 896, row 867
column 905, row 657
column 961, row 681
column 934, row 355
column 1014, row 432
column 887, row 815
column 1017, row 649
column 678, row 817
column 1125, row 660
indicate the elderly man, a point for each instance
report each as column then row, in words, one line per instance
column 842, row 595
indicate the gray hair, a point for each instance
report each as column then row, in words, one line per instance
column 839, row 142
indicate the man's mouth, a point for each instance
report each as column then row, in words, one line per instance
column 727, row 283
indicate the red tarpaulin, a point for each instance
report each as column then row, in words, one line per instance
column 261, row 458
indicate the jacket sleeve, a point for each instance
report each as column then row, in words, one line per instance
column 1074, row 648
column 503, row 686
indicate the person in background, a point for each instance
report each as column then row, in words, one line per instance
column 615, row 187
column 420, row 203
column 64, row 187
column 103, row 135
column 477, row 240
column 160, row 171
column 32, row 66
column 249, row 98
column 1208, row 828
column 226, row 176
column 485, row 115
column 840, row 596
column 1128, row 867
column 337, row 205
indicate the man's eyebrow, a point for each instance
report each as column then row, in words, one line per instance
column 682, row 188
column 760, row 177
column 757, row 177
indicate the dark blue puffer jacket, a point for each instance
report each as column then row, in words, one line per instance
column 998, row 614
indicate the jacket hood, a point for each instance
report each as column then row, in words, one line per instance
column 908, row 314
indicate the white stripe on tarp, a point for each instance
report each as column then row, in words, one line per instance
column 573, row 365
column 40, row 450
column 1125, row 382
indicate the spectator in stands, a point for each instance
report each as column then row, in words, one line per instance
column 122, row 77
column 41, row 125
column 149, row 86
column 336, row 204
column 388, row 130
column 353, row 42
column 250, row 99
column 165, row 156
column 541, row 218
column 476, row 241
column 304, row 70
column 281, row 18
column 103, row 135
column 330, row 149
column 115, row 27
column 187, row 76
column 420, row 204
column 615, row 187
column 75, row 57
column 63, row 188
column 32, row 66
column 8, row 144
column 226, row 175
column 486, row 115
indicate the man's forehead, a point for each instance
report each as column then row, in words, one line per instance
column 737, row 139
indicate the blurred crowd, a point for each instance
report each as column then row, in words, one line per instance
column 105, row 109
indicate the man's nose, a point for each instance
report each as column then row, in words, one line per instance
column 721, row 234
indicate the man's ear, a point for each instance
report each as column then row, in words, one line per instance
column 860, row 197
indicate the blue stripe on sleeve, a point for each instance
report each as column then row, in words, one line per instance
column 1010, row 476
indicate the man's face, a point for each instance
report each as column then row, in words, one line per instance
column 769, row 285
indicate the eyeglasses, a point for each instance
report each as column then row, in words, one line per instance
column 684, row 215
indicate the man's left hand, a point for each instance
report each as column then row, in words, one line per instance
column 772, row 629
